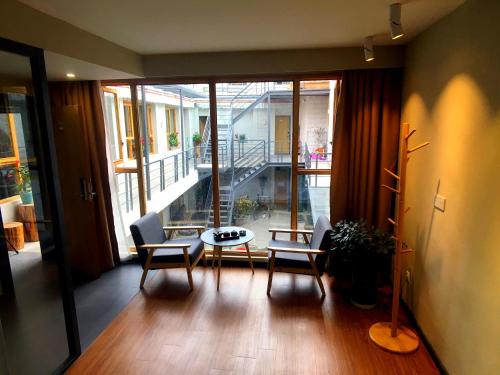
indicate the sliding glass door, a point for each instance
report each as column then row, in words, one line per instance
column 38, row 322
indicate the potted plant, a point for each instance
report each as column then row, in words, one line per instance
column 23, row 183
column 173, row 141
column 363, row 251
column 243, row 208
column 197, row 141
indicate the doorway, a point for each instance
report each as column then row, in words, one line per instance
column 37, row 311
column 282, row 134
column 202, row 123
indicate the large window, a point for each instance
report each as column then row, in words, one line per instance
column 273, row 169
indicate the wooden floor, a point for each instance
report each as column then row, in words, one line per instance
column 239, row 330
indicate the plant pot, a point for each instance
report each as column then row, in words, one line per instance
column 26, row 197
column 364, row 283
column 241, row 220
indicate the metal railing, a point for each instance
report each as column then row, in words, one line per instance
column 165, row 171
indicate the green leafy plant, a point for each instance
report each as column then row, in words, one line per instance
column 354, row 238
column 244, row 206
column 364, row 252
column 173, row 140
column 23, row 178
column 196, row 138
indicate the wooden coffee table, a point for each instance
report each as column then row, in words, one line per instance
column 208, row 238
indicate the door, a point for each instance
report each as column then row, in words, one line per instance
column 39, row 332
column 282, row 185
column 202, row 123
column 282, row 135
column 77, row 188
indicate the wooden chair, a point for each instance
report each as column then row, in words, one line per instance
column 156, row 250
column 308, row 258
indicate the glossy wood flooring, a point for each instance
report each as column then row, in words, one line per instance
column 239, row 330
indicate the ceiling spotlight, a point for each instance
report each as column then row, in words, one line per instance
column 368, row 48
column 70, row 75
column 395, row 21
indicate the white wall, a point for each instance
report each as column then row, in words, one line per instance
column 313, row 114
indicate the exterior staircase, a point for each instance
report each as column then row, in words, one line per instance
column 241, row 166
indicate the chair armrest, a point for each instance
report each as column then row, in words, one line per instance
column 181, row 227
column 292, row 250
column 285, row 230
column 164, row 246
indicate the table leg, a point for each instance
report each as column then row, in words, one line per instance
column 249, row 256
column 218, row 270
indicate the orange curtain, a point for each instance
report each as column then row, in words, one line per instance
column 365, row 141
column 87, row 96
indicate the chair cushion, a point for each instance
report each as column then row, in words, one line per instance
column 147, row 230
column 321, row 237
column 177, row 255
column 290, row 260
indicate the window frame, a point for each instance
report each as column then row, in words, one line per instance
column 129, row 139
column 212, row 81
column 117, row 121
column 13, row 161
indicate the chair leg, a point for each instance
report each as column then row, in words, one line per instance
column 316, row 274
column 146, row 268
column 190, row 277
column 143, row 278
column 271, row 271
column 204, row 258
column 188, row 269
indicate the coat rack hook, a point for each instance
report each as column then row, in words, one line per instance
column 391, row 189
column 418, row 147
column 392, row 173
column 411, row 133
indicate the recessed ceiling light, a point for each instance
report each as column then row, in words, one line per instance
column 70, row 75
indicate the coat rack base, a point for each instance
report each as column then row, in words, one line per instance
column 406, row 341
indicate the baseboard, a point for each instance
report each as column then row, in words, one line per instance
column 426, row 342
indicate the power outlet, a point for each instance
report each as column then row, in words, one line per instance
column 439, row 202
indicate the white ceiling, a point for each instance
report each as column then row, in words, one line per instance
column 16, row 69
column 58, row 66
column 162, row 26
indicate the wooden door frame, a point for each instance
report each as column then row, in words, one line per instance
column 150, row 127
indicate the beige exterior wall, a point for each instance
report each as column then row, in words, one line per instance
column 452, row 98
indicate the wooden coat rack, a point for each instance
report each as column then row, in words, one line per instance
column 390, row 335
